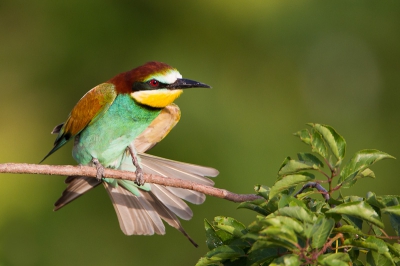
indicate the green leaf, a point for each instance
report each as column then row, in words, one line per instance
column 321, row 230
column 281, row 236
column 335, row 259
column 285, row 161
column 378, row 250
column 225, row 252
column 389, row 200
column 291, row 223
column 317, row 206
column 290, row 181
column 303, row 195
column 357, row 263
column 366, row 173
column 354, row 221
column 373, row 200
column 395, row 222
column 395, row 249
column 293, row 166
column 287, row 200
column 203, row 261
column 225, row 236
column 319, row 145
column 263, row 191
column 335, row 141
column 376, row 259
column 348, row 229
column 394, row 216
column 230, row 225
column 392, row 210
column 381, row 246
column 304, row 136
column 261, row 254
column 360, row 174
column 255, row 205
column 286, row 260
column 360, row 162
column 359, row 209
column 261, row 243
column 308, row 230
column 296, row 212
column 310, row 159
column 212, row 240
column 272, row 204
column 354, row 253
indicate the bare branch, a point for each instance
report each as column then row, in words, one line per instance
column 69, row 170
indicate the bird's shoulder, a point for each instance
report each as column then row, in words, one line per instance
column 159, row 128
column 90, row 108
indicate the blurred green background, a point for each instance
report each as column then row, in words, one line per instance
column 273, row 65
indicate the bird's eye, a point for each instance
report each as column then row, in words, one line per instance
column 153, row 83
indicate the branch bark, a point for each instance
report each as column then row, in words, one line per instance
column 69, row 170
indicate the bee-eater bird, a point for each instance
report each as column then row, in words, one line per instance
column 112, row 126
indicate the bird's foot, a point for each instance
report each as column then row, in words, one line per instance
column 139, row 176
column 99, row 168
column 139, row 171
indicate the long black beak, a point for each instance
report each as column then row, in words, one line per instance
column 186, row 84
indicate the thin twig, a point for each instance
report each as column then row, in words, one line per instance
column 317, row 186
column 69, row 170
column 329, row 244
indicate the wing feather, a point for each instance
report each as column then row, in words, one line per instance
column 77, row 186
column 89, row 108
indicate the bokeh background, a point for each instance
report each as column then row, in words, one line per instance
column 273, row 65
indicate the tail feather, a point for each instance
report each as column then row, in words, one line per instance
column 141, row 215
column 191, row 196
column 142, row 209
column 172, row 202
column 167, row 215
column 185, row 167
column 166, row 170
column 136, row 215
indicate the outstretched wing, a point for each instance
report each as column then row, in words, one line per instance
column 89, row 108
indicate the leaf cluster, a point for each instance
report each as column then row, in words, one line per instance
column 315, row 225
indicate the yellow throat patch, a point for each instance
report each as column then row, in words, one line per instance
column 156, row 98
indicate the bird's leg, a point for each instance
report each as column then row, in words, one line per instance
column 99, row 167
column 139, row 171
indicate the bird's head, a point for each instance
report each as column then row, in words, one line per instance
column 154, row 84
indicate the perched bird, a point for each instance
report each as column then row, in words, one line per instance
column 112, row 126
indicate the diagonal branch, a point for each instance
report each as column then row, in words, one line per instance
column 69, row 170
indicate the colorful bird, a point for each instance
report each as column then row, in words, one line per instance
column 112, row 126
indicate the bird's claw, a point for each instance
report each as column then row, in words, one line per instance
column 99, row 168
column 139, row 176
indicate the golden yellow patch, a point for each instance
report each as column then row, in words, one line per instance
column 156, row 98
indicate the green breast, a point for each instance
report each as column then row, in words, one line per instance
column 107, row 138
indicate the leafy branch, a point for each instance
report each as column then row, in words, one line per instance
column 315, row 225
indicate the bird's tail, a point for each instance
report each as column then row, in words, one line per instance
column 141, row 209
